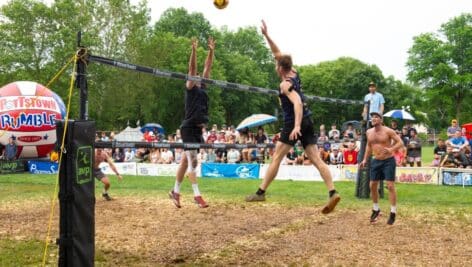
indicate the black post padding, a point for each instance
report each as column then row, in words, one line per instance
column 81, row 80
column 363, row 174
column 77, row 195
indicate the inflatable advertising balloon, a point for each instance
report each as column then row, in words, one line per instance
column 28, row 114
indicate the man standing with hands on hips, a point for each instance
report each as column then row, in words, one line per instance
column 382, row 142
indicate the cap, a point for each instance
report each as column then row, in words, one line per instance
column 455, row 149
column 376, row 113
column 454, row 121
column 372, row 84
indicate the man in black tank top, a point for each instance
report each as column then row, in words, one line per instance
column 196, row 117
column 297, row 126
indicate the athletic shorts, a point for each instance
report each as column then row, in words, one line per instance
column 382, row 169
column 192, row 135
column 414, row 159
column 98, row 174
column 306, row 129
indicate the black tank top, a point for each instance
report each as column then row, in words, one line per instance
column 287, row 105
column 196, row 107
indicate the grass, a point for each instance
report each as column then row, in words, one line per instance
column 442, row 201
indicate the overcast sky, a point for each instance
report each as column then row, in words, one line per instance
column 374, row 31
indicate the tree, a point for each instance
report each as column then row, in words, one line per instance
column 442, row 64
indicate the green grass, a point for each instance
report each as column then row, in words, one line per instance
column 444, row 202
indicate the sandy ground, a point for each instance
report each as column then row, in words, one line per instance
column 149, row 232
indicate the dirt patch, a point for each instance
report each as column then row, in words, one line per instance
column 150, row 231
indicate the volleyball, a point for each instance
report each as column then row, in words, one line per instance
column 28, row 114
column 220, row 4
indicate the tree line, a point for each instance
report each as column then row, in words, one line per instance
column 37, row 39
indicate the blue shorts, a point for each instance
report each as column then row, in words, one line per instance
column 383, row 169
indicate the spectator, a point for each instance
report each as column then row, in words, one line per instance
column 154, row 156
column 118, row 155
column 350, row 154
column 324, row 155
column 202, row 156
column 400, row 157
column 405, row 136
column 334, row 133
column 460, row 160
column 414, row 149
column 211, row 156
column 323, row 138
column 322, row 129
column 436, row 161
column 212, row 137
column 350, row 133
column 374, row 100
column 129, row 155
column 291, row 157
column 104, row 137
column 178, row 154
column 451, row 130
column 261, row 137
column 441, row 148
column 458, row 141
column 394, row 126
column 335, row 157
column 11, row 149
column 233, row 156
column 448, row 159
column 54, row 156
column 178, row 137
column 409, row 127
column 166, row 156
column 112, row 136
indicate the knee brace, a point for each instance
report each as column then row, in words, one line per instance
column 191, row 160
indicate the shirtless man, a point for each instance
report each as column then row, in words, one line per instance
column 382, row 142
column 102, row 156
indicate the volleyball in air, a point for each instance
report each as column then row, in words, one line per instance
column 220, row 4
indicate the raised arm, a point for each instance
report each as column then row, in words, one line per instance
column 209, row 59
column 275, row 50
column 192, row 64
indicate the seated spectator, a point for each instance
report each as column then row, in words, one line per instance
column 324, row 155
column 436, row 160
column 350, row 154
column 202, row 156
column 104, row 137
column 129, row 155
column 460, row 160
column 414, row 149
column 166, row 156
column 211, row 156
column 458, row 141
column 441, row 148
column 291, row 157
column 323, row 138
column 118, row 155
column 112, row 136
column 335, row 157
column 233, row 156
column 350, row 133
column 451, row 130
column 334, row 133
column 212, row 137
column 154, row 156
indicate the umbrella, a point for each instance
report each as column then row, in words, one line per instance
column 256, row 120
column 355, row 125
column 153, row 127
column 399, row 114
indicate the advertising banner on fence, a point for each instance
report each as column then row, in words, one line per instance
column 417, row 175
column 230, row 170
column 42, row 167
column 124, row 168
column 348, row 172
column 152, row 169
column 455, row 176
column 11, row 166
column 301, row 172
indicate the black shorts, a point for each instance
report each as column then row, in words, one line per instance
column 191, row 135
column 306, row 129
column 97, row 173
column 382, row 169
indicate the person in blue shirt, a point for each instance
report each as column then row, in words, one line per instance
column 11, row 150
column 298, row 125
column 458, row 141
column 375, row 100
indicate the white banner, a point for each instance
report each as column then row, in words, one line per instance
column 301, row 172
column 124, row 168
column 152, row 169
column 417, row 175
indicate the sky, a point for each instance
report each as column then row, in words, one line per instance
column 376, row 32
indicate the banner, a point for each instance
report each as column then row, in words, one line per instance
column 230, row 170
column 42, row 167
column 11, row 166
column 454, row 176
column 417, row 175
column 301, row 172
column 124, row 168
column 152, row 169
column 348, row 172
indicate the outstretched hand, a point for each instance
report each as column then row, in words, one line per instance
column 120, row 177
column 211, row 43
column 264, row 28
